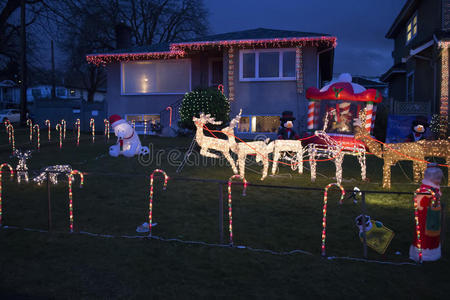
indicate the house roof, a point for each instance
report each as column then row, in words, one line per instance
column 259, row 37
column 395, row 69
column 404, row 15
column 368, row 83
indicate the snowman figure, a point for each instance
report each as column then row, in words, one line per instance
column 128, row 143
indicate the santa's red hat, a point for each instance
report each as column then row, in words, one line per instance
column 115, row 120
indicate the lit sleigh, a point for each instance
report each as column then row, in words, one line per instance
column 331, row 111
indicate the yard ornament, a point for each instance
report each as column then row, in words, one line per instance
column 378, row 236
column 128, row 143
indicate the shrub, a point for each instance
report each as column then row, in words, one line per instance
column 208, row 101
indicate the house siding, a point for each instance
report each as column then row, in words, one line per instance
column 445, row 14
column 273, row 97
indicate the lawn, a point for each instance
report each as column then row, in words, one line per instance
column 114, row 201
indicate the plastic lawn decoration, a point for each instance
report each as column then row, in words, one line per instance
column 77, row 126
column 10, row 129
column 106, row 128
column 92, row 125
column 416, row 218
column 230, row 204
column 378, row 236
column 71, row 179
column 150, row 205
column 38, row 135
column 59, row 128
column 63, row 123
column 169, row 108
column 30, row 123
column 12, row 175
column 47, row 123
column 324, row 210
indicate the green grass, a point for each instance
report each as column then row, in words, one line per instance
column 61, row 265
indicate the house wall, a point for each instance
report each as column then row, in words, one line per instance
column 397, row 87
column 273, row 97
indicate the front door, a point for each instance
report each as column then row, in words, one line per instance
column 215, row 72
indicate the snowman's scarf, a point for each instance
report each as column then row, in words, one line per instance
column 121, row 141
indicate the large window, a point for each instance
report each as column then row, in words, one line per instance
column 267, row 65
column 258, row 124
column 411, row 28
column 156, row 77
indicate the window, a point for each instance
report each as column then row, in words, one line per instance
column 411, row 28
column 256, row 124
column 156, row 77
column 267, row 65
column 410, row 87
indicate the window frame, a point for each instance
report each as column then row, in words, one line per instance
column 280, row 64
column 250, row 124
column 122, row 82
column 410, row 22
column 410, row 74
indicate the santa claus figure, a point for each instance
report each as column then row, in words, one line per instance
column 128, row 143
column 429, row 215
column 286, row 131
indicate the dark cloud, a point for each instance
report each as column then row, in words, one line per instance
column 359, row 25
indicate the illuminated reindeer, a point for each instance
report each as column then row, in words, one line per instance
column 261, row 149
column 207, row 143
column 22, row 168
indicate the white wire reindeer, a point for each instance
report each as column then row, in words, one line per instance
column 207, row 143
column 22, row 168
column 334, row 149
column 53, row 171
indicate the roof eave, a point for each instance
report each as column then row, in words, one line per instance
column 393, row 29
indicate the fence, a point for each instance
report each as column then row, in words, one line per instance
column 220, row 200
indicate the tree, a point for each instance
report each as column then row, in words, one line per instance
column 87, row 26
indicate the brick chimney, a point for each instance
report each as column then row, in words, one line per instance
column 123, row 36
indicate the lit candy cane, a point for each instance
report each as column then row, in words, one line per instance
column 145, row 127
column 220, row 88
column 30, row 123
column 169, row 108
column 150, row 205
column 59, row 128
column 230, row 205
column 369, row 114
column 106, row 121
column 7, row 122
column 416, row 218
column 311, row 107
column 92, row 125
column 11, row 170
column 71, row 179
column 63, row 123
column 374, row 117
column 324, row 210
column 133, row 123
column 36, row 128
column 10, row 129
column 77, row 126
column 47, row 123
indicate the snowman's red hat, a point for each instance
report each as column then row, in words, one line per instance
column 115, row 120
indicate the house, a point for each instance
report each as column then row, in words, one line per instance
column 263, row 72
column 9, row 94
column 372, row 83
column 418, row 79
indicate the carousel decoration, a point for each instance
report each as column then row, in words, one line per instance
column 339, row 102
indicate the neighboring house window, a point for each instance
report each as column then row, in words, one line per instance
column 267, row 65
column 410, row 87
column 156, row 77
column 253, row 124
column 411, row 28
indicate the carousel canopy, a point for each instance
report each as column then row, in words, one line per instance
column 344, row 89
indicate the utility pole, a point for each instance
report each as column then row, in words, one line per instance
column 23, row 65
column 53, row 73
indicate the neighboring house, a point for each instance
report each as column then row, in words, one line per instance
column 40, row 92
column 263, row 71
column 372, row 83
column 418, row 80
column 9, row 94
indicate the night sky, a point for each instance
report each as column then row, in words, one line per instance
column 359, row 25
